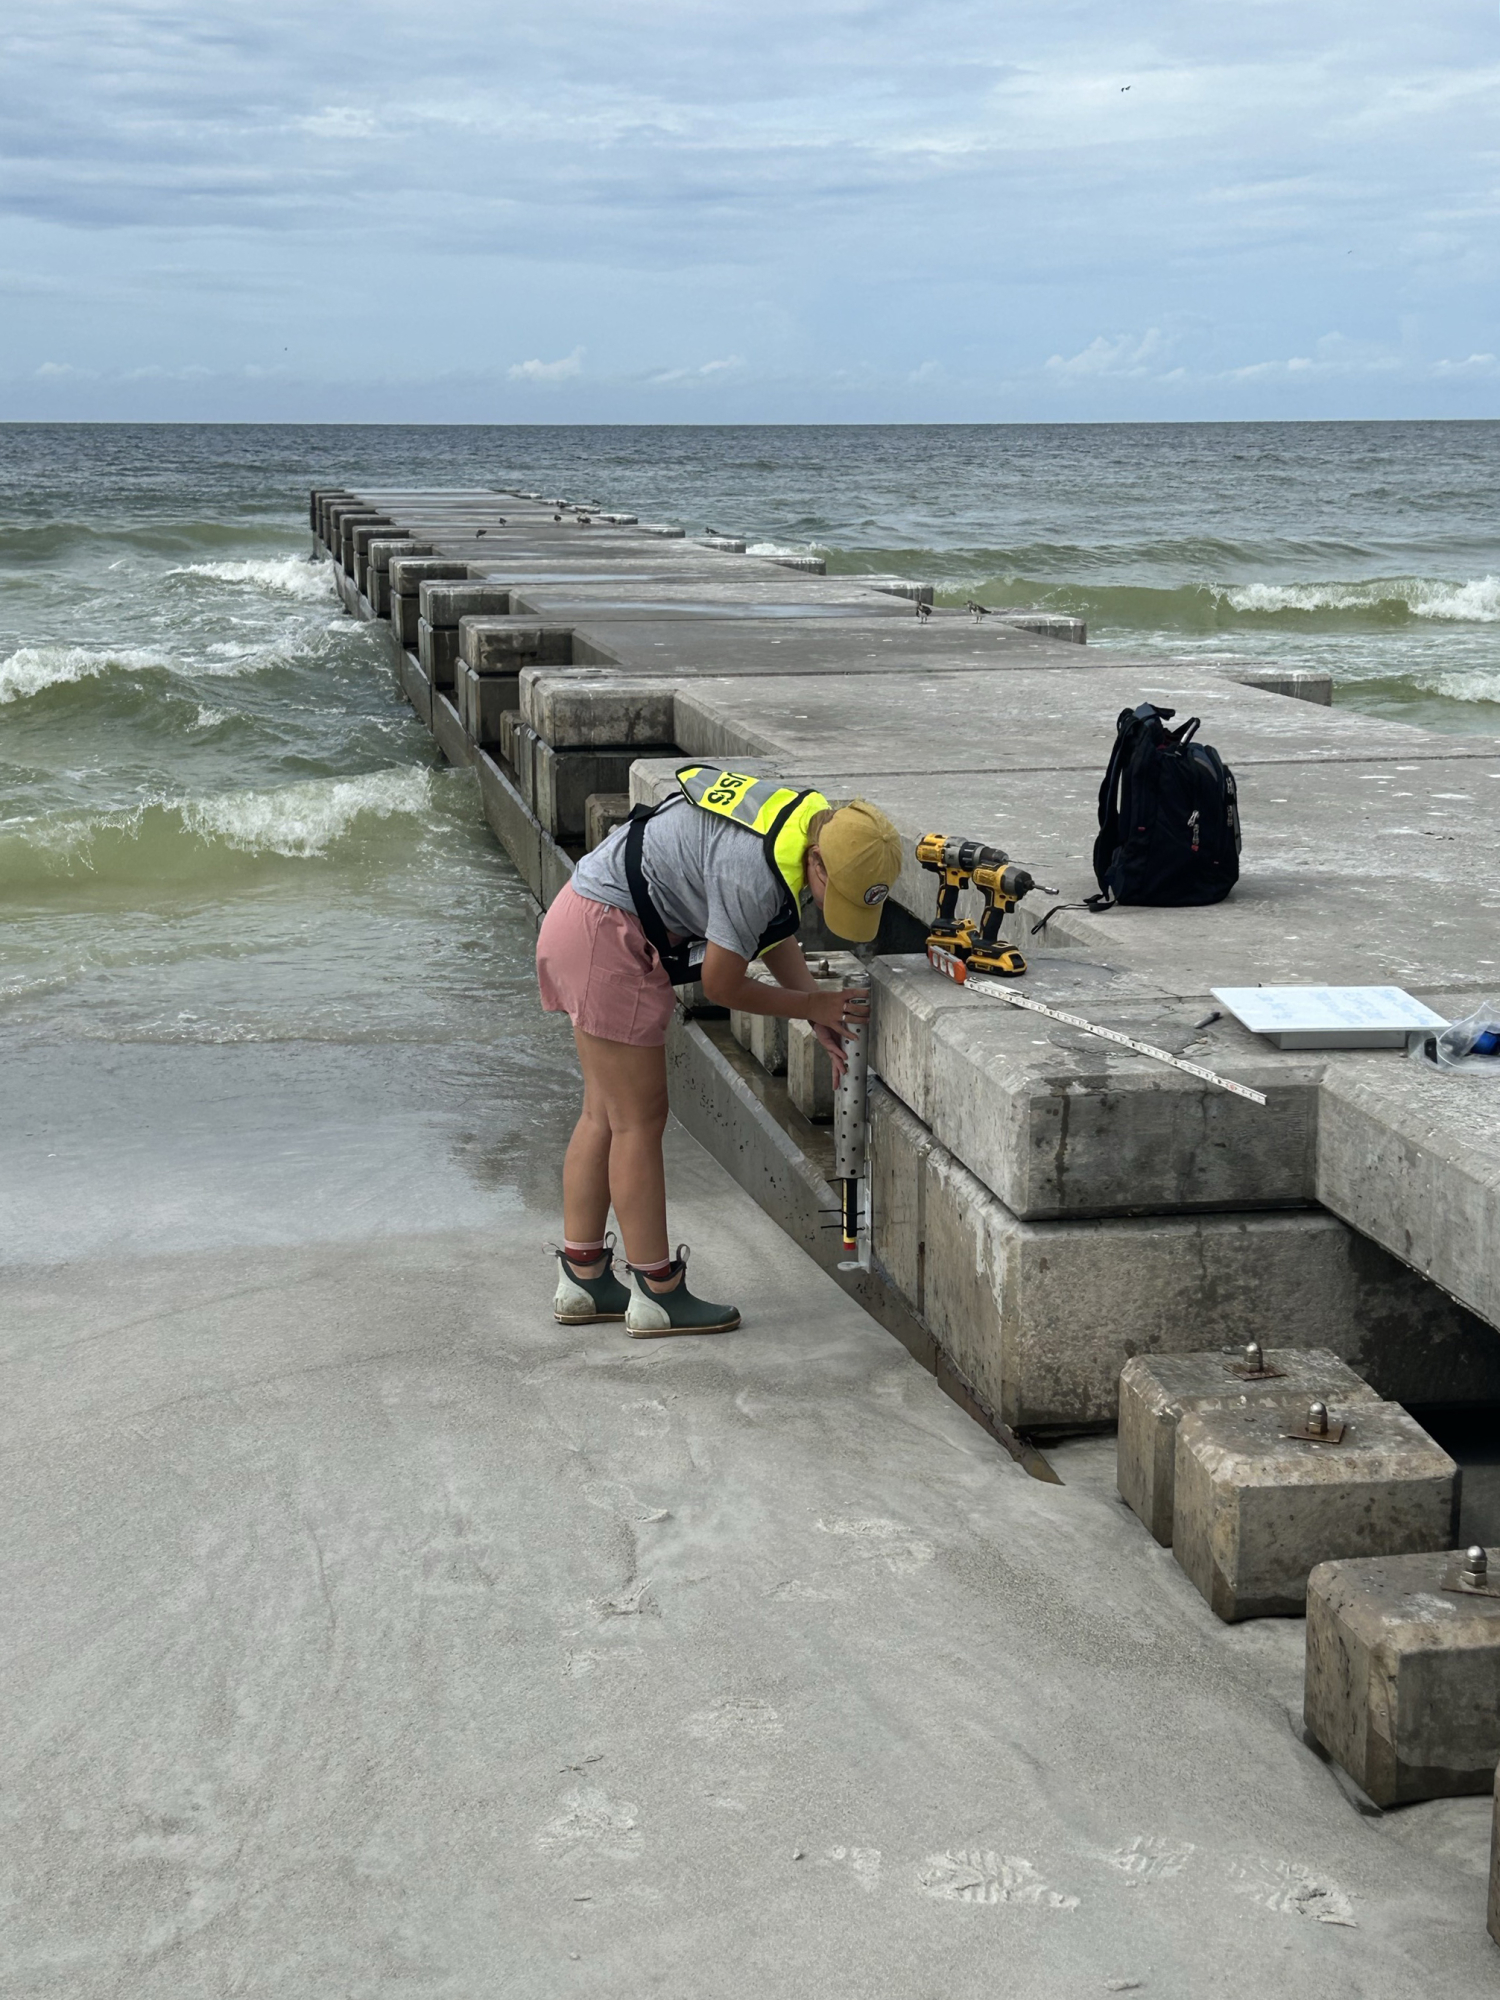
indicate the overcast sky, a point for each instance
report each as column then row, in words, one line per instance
column 657, row 210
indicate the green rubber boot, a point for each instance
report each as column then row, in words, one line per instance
column 652, row 1315
column 581, row 1301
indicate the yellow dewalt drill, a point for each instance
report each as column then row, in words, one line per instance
column 957, row 945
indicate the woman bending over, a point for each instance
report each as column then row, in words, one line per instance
column 692, row 889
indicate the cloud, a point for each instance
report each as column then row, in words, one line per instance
column 941, row 206
column 548, row 371
column 704, row 373
column 1128, row 354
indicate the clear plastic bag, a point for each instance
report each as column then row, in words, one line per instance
column 1471, row 1045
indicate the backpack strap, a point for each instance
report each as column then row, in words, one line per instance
column 676, row 959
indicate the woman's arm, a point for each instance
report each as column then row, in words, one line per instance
column 796, row 996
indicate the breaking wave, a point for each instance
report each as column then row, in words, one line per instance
column 1474, row 602
column 302, row 820
column 164, row 844
column 30, row 669
column 288, row 576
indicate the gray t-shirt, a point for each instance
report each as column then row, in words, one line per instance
column 707, row 877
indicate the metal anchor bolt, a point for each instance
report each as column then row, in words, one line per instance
column 1255, row 1361
column 1476, row 1566
column 1317, row 1418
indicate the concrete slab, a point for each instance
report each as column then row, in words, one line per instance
column 1412, row 1158
column 1255, row 1512
column 1057, row 1123
column 516, row 827
column 1403, row 1676
column 415, row 686
column 944, row 712
column 1155, row 1389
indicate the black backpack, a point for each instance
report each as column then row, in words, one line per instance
column 1169, row 822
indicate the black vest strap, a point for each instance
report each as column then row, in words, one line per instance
column 676, row 959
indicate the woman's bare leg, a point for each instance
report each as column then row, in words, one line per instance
column 615, row 1151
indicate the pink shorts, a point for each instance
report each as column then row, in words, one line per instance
column 593, row 963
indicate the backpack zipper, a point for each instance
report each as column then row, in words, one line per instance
column 1193, row 828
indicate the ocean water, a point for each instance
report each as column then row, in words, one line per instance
column 262, row 968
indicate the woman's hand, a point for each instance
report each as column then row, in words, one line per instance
column 834, row 1015
column 842, row 1010
column 835, row 1047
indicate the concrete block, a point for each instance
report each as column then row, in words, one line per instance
column 591, row 708
column 1056, row 1122
column 437, row 649
column 364, row 533
column 1403, row 1676
column 1300, row 683
column 524, row 759
column 378, row 576
column 443, row 603
column 564, row 780
column 899, row 1149
column 345, row 521
column 809, row 1073
column 602, row 813
column 1409, row 1157
column 1042, row 1316
column 743, row 1025
column 1255, row 1511
column 506, row 645
column 1494, row 1897
column 1155, row 1389
column 452, row 737
column 485, row 700
column 407, row 574
column 767, row 1042
column 371, row 519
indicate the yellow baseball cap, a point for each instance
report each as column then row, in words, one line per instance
column 861, row 851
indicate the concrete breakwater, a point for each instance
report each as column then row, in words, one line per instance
column 1041, row 1208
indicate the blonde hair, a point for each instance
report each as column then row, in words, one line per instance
column 816, row 825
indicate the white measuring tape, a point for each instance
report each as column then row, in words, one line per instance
column 999, row 992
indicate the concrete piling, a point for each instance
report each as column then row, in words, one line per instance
column 1258, row 1506
column 1155, row 1390
column 1403, row 1673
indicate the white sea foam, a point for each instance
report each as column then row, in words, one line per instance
column 290, row 576
column 302, row 820
column 1467, row 687
column 1474, row 602
column 32, row 668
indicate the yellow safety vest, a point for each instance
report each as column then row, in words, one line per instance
column 780, row 814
